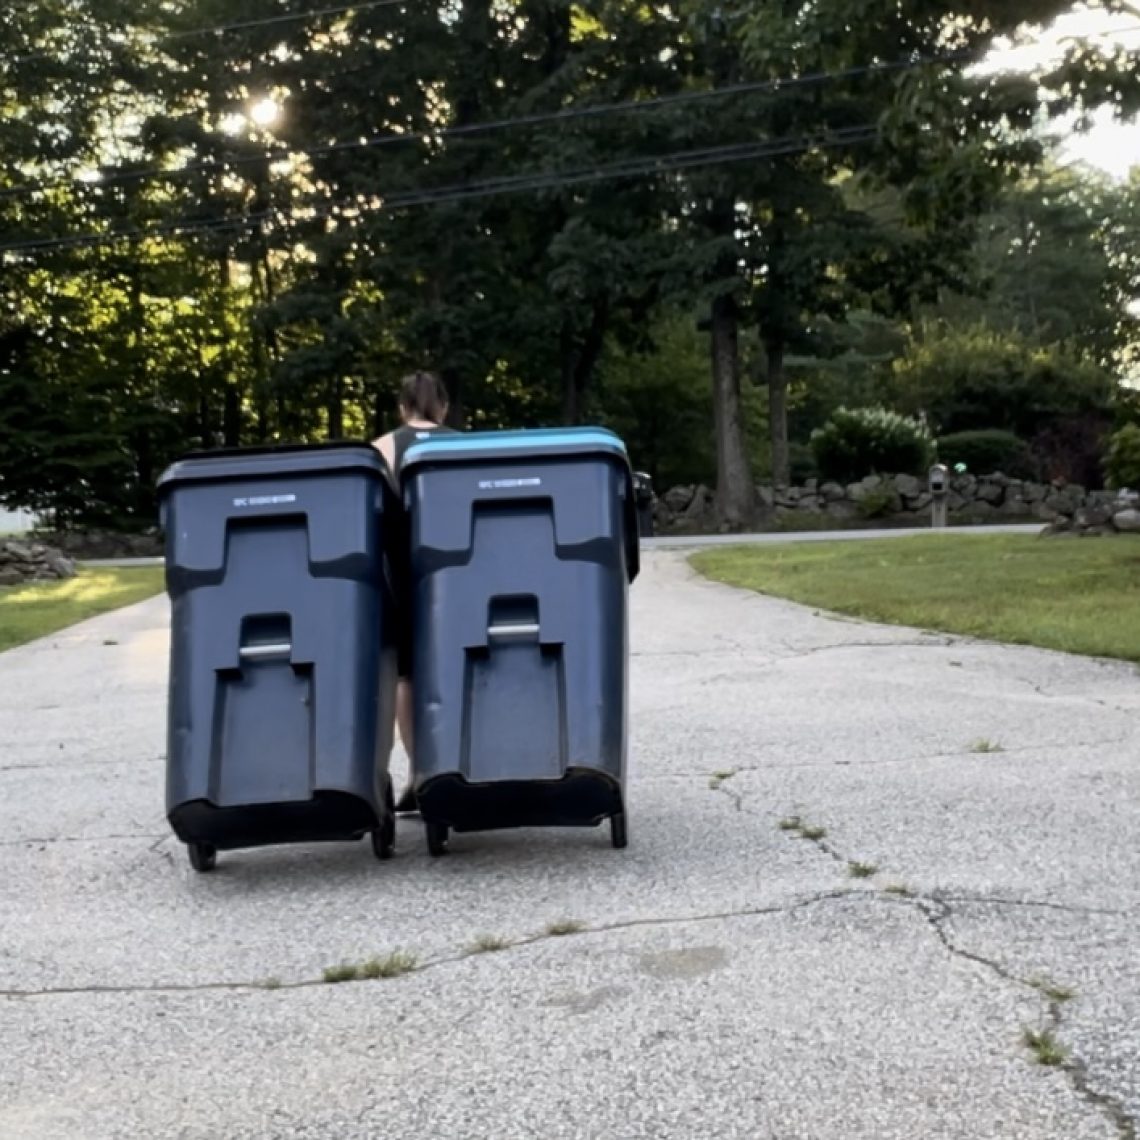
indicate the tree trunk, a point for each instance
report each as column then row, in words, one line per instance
column 231, row 397
column 778, row 411
column 580, row 359
column 335, row 409
column 231, row 415
column 735, row 491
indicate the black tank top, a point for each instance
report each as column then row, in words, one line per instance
column 406, row 437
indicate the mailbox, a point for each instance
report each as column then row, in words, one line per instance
column 939, row 479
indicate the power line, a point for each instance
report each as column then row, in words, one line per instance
column 542, row 118
column 285, row 18
column 462, row 192
column 240, row 26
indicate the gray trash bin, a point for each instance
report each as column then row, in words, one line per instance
column 523, row 545
column 282, row 662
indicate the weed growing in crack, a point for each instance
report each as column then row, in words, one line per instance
column 718, row 778
column 390, row 966
column 900, row 889
column 984, row 747
column 345, row 972
column 859, row 870
column 563, row 926
column 487, row 944
column 1054, row 992
column 790, row 823
column 815, row 834
column 271, row 984
column 1047, row 1050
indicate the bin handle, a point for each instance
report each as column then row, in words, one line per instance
column 269, row 649
column 505, row 631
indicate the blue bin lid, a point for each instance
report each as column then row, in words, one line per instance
column 532, row 443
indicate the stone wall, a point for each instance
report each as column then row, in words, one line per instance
column 32, row 562
column 1106, row 513
column 94, row 544
column 878, row 500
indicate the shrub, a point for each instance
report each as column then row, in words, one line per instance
column 984, row 452
column 977, row 379
column 866, row 441
column 801, row 463
column 1072, row 450
column 1123, row 460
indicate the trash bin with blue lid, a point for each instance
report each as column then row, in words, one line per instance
column 282, row 658
column 523, row 545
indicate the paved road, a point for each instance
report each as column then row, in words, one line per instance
column 689, row 542
column 674, row 541
column 731, row 979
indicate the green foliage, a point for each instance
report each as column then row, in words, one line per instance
column 878, row 502
column 1056, row 261
column 864, row 441
column 988, row 451
column 976, row 378
column 551, row 304
column 1123, row 460
column 660, row 402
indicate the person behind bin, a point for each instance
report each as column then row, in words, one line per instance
column 422, row 404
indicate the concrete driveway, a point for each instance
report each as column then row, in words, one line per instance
column 731, row 978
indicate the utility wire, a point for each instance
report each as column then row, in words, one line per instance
column 542, row 118
column 461, row 192
column 239, row 26
column 596, row 110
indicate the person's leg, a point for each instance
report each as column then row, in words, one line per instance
column 404, row 718
column 405, row 721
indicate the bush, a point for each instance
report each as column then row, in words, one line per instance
column 1123, row 460
column 801, row 463
column 979, row 379
column 984, row 452
column 1072, row 450
column 867, row 441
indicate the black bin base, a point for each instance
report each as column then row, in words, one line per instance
column 327, row 816
column 582, row 798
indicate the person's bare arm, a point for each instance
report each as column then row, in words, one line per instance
column 387, row 448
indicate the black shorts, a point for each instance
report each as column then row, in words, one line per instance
column 404, row 645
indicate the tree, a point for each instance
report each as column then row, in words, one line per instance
column 976, row 379
column 1055, row 263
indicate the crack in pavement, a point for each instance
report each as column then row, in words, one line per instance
column 77, row 765
column 792, row 653
column 937, row 911
column 965, row 752
column 449, row 959
column 1039, row 904
column 1072, row 698
column 41, row 841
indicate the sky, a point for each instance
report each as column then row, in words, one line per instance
column 1113, row 146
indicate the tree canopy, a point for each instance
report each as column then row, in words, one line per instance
column 708, row 224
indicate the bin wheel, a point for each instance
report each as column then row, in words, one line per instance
column 618, row 835
column 203, row 856
column 437, row 834
column 384, row 838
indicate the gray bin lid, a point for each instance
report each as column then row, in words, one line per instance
column 268, row 462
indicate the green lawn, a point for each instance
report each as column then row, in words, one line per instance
column 1076, row 595
column 37, row 609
